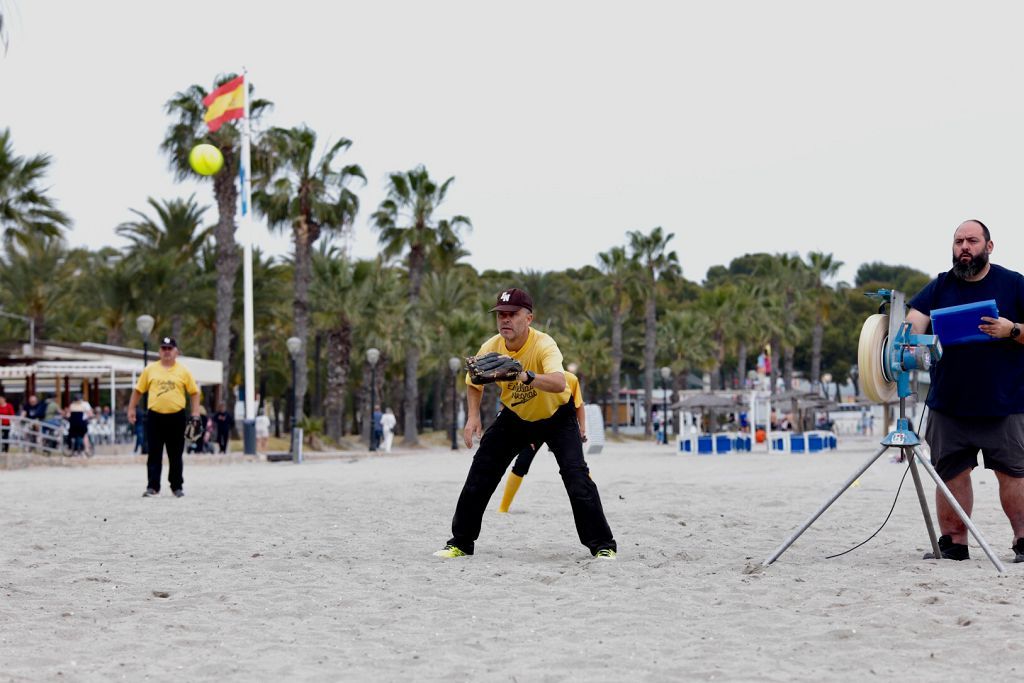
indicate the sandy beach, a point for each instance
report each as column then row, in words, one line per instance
column 323, row 571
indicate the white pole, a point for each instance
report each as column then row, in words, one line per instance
column 247, row 240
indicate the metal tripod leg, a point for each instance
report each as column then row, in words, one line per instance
column 959, row 510
column 922, row 499
column 835, row 496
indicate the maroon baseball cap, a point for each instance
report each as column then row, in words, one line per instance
column 512, row 300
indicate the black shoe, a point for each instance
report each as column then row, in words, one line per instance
column 178, row 493
column 1018, row 549
column 150, row 493
column 958, row 551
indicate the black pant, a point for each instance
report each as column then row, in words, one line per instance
column 521, row 467
column 5, row 434
column 509, row 435
column 165, row 429
column 222, row 438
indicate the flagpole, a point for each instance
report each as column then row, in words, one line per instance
column 245, row 171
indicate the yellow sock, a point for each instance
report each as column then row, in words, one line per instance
column 511, row 486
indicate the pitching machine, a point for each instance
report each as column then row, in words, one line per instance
column 887, row 353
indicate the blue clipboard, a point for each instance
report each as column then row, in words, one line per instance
column 959, row 324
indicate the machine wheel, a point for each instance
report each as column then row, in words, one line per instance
column 873, row 337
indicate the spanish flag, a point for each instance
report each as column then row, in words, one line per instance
column 226, row 103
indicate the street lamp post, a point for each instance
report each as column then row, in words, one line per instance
column 665, row 372
column 454, row 363
column 372, row 356
column 294, row 345
column 144, row 324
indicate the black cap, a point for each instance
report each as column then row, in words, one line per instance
column 512, row 300
column 168, row 341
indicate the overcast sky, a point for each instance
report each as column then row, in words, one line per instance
column 868, row 129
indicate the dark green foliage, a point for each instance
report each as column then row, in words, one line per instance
column 876, row 275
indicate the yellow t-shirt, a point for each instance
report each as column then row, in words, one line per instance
column 540, row 353
column 166, row 386
column 572, row 383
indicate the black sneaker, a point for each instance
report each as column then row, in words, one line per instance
column 150, row 493
column 178, row 493
column 957, row 551
column 1018, row 550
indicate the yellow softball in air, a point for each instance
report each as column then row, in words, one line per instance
column 205, row 159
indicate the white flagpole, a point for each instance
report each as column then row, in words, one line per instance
column 248, row 234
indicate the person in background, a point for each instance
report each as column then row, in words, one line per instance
column 387, row 426
column 262, row 431
column 34, row 410
column 376, row 430
column 170, row 387
column 52, row 418
column 224, row 423
column 6, row 412
column 79, row 412
column 140, row 430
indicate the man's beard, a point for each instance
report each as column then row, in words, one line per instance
column 967, row 270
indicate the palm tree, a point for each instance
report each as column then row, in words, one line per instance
column 651, row 255
column 115, row 282
column 186, row 131
column 823, row 267
column 783, row 282
column 25, row 208
column 272, row 322
column 444, row 293
column 384, row 326
column 38, row 280
column 307, row 194
column 175, row 235
column 341, row 291
column 586, row 344
column 619, row 276
column 547, row 293
column 720, row 309
column 408, row 226
column 459, row 336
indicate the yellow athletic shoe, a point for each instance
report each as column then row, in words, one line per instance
column 605, row 554
column 449, row 551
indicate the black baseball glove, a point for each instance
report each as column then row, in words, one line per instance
column 193, row 429
column 493, row 367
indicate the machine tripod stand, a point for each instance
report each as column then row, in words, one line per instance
column 907, row 441
column 887, row 353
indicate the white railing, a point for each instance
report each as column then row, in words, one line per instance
column 35, row 436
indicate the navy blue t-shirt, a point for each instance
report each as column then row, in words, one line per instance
column 980, row 379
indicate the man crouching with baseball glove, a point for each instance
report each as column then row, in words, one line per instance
column 536, row 408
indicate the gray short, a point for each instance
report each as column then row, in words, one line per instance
column 955, row 442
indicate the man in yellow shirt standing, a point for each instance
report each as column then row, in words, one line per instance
column 536, row 408
column 166, row 384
